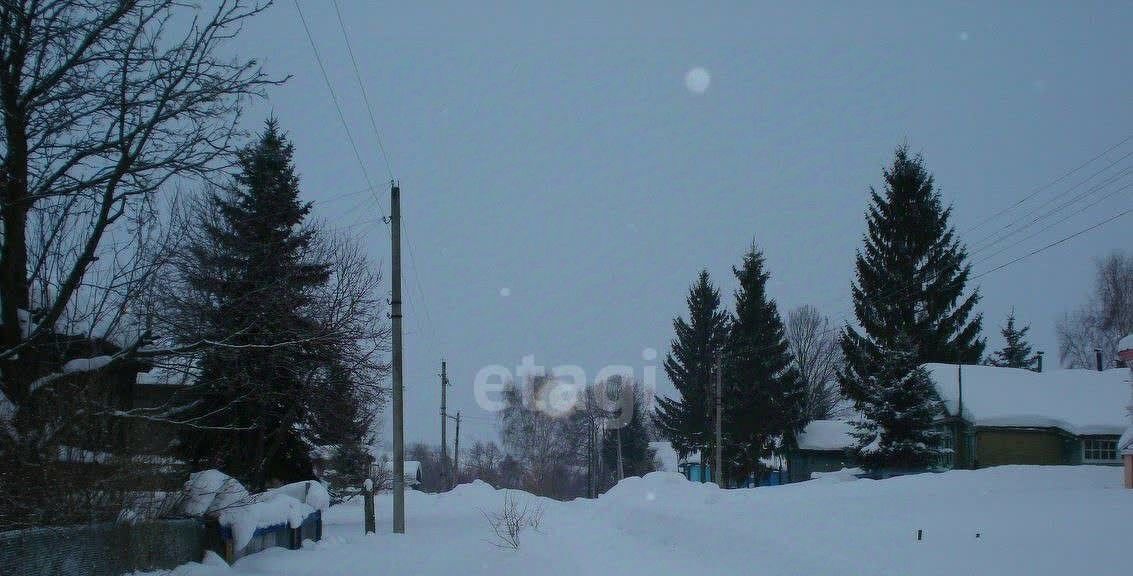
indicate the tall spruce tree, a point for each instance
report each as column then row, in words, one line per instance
column 687, row 421
column 896, row 430
column 252, row 269
column 764, row 398
column 1016, row 353
column 909, row 289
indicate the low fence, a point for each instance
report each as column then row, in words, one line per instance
column 107, row 549
column 102, row 549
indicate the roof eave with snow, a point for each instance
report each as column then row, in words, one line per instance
column 1080, row 402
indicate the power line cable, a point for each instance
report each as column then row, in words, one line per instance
column 999, row 238
column 385, row 156
column 1048, row 185
column 1053, row 244
column 1064, row 219
column 362, row 88
column 337, row 106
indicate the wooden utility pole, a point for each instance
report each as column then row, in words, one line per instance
column 398, row 403
column 445, row 476
column 719, row 461
column 368, row 506
column 621, row 470
column 456, row 449
column 590, row 491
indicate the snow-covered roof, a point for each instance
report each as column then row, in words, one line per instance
column 1125, row 343
column 412, row 470
column 1077, row 401
column 826, row 435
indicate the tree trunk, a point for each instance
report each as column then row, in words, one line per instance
column 13, row 260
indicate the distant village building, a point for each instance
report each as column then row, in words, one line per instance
column 995, row 416
column 667, row 460
column 992, row 416
column 412, row 471
column 691, row 467
column 823, row 446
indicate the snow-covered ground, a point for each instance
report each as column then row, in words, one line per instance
column 1007, row 520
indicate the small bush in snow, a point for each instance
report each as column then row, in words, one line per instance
column 512, row 520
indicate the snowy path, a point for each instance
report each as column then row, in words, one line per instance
column 1030, row 520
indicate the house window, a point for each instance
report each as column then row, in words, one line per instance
column 1099, row 450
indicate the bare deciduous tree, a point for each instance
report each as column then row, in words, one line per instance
column 1104, row 319
column 106, row 104
column 814, row 345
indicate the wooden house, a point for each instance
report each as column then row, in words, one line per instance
column 995, row 416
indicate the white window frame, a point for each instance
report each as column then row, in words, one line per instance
column 1100, row 445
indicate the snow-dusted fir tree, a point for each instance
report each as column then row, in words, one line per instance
column 687, row 421
column 765, row 397
column 1016, row 353
column 896, row 429
column 910, row 284
column 253, row 277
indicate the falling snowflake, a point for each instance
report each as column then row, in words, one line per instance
column 697, row 80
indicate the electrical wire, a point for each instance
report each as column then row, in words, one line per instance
column 337, row 106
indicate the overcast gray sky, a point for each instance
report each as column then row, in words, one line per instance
column 563, row 180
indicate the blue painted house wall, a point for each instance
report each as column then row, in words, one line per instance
column 696, row 472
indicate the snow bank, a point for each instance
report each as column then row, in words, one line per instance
column 827, row 435
column 843, row 475
column 1030, row 520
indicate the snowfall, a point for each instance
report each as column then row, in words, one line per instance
column 1007, row 520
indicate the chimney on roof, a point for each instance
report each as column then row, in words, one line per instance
column 1098, row 358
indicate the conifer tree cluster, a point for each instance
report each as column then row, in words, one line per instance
column 762, row 395
column 1016, row 352
column 912, row 305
